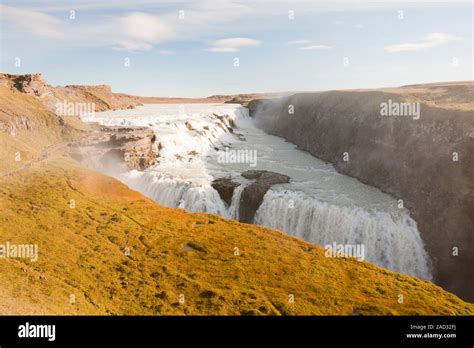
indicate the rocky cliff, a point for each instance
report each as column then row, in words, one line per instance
column 59, row 98
column 113, row 149
column 97, row 147
column 427, row 162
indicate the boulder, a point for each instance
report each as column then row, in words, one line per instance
column 252, row 195
column 225, row 187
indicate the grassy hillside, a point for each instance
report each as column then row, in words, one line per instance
column 179, row 263
column 26, row 127
column 81, row 252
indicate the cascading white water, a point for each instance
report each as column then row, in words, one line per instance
column 319, row 204
column 390, row 241
column 235, row 203
column 176, row 193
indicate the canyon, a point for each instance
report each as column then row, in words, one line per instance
column 285, row 188
column 174, row 252
column 426, row 163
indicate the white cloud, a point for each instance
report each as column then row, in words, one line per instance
column 359, row 26
column 236, row 42
column 222, row 49
column 145, row 27
column 308, row 45
column 33, row 22
column 140, row 31
column 132, row 31
column 299, row 42
column 429, row 41
column 232, row 44
column 316, row 47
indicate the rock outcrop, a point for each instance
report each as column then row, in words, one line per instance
column 32, row 84
column 252, row 195
column 57, row 99
column 225, row 187
column 101, row 148
column 427, row 162
column 112, row 149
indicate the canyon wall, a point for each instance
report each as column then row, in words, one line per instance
column 81, row 247
column 413, row 160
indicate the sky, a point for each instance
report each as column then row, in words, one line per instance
column 202, row 48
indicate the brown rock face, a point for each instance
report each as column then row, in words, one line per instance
column 225, row 187
column 117, row 148
column 32, row 84
column 100, row 97
column 253, row 194
column 413, row 160
column 103, row 148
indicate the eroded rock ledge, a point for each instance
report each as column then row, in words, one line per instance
column 112, row 149
column 106, row 149
column 252, row 195
column 101, row 96
column 225, row 187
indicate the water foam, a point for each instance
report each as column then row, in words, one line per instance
column 327, row 206
column 391, row 241
column 176, row 193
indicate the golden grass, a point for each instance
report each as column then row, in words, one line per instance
column 445, row 95
column 17, row 108
column 173, row 252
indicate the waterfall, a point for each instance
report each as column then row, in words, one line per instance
column 176, row 193
column 235, row 203
column 319, row 204
column 390, row 241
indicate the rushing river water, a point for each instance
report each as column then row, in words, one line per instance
column 319, row 204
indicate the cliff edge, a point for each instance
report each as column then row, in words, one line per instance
column 425, row 160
